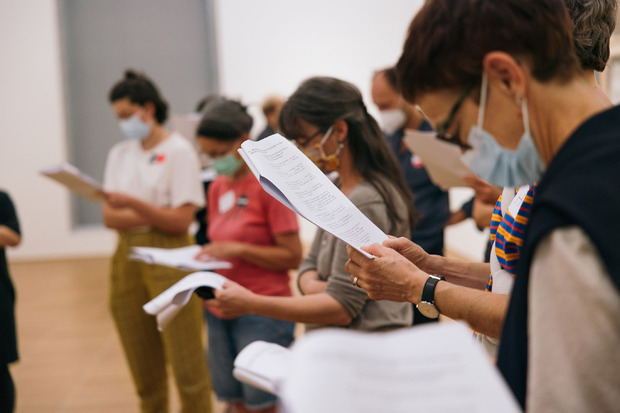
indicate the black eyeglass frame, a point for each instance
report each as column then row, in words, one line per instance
column 442, row 131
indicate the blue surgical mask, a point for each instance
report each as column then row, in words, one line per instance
column 497, row 165
column 134, row 128
column 226, row 165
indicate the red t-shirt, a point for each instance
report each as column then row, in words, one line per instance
column 242, row 211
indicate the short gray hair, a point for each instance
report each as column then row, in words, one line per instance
column 595, row 21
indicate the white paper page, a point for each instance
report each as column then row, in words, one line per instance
column 181, row 258
column 168, row 304
column 441, row 159
column 76, row 181
column 165, row 316
column 285, row 169
column 262, row 365
column 436, row 368
column 184, row 287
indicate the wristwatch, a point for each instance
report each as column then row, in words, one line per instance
column 427, row 305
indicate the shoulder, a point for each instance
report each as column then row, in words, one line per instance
column 178, row 144
column 366, row 193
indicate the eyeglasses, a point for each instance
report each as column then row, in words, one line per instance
column 442, row 131
column 304, row 141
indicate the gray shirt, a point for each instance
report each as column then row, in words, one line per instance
column 328, row 256
column 574, row 328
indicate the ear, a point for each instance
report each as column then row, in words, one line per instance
column 504, row 69
column 341, row 131
column 149, row 107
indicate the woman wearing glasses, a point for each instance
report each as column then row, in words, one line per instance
column 327, row 119
column 560, row 335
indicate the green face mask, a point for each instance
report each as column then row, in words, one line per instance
column 226, row 165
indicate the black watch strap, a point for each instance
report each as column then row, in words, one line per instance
column 428, row 293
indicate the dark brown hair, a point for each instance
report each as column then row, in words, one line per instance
column 448, row 40
column 139, row 89
column 322, row 101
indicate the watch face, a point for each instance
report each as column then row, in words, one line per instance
column 428, row 309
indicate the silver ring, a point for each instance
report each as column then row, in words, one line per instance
column 355, row 279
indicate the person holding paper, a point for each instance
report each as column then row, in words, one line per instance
column 259, row 236
column 10, row 236
column 555, row 357
column 152, row 190
column 328, row 121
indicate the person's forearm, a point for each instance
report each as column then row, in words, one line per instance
column 314, row 308
column 122, row 219
column 8, row 237
column 467, row 274
column 274, row 258
column 309, row 283
column 174, row 220
column 482, row 310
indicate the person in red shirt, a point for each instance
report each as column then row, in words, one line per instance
column 259, row 236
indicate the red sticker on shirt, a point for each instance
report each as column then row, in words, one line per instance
column 416, row 162
column 160, row 158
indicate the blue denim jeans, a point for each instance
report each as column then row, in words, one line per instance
column 226, row 338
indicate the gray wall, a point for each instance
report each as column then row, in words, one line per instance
column 173, row 42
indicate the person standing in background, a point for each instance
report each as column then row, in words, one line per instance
column 152, row 190
column 432, row 203
column 271, row 109
column 259, row 236
column 10, row 236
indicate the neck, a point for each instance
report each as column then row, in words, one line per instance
column 243, row 171
column 414, row 117
column 158, row 134
column 556, row 111
column 349, row 176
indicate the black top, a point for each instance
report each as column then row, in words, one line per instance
column 430, row 201
column 8, row 339
column 268, row 131
column 580, row 187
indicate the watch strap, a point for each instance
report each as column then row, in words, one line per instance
column 428, row 292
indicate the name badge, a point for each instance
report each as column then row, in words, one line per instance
column 226, row 201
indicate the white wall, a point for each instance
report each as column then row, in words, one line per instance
column 265, row 47
column 270, row 46
column 33, row 134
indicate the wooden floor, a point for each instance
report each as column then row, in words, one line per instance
column 70, row 356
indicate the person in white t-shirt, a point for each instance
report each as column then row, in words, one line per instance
column 152, row 190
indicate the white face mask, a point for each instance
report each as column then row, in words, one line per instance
column 134, row 128
column 392, row 120
column 497, row 165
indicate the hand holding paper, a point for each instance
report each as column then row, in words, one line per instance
column 71, row 177
column 168, row 304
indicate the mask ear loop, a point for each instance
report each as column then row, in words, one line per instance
column 325, row 138
column 526, row 118
column 483, row 99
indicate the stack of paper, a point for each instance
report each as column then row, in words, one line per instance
column 76, row 181
column 168, row 304
column 263, row 365
column 433, row 368
column 181, row 258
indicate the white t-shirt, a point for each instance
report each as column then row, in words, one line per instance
column 167, row 175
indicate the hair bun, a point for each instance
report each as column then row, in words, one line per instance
column 130, row 74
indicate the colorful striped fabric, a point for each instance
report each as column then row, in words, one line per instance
column 508, row 231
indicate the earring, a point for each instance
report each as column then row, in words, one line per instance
column 518, row 100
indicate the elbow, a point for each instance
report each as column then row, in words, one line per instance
column 15, row 241
column 342, row 319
